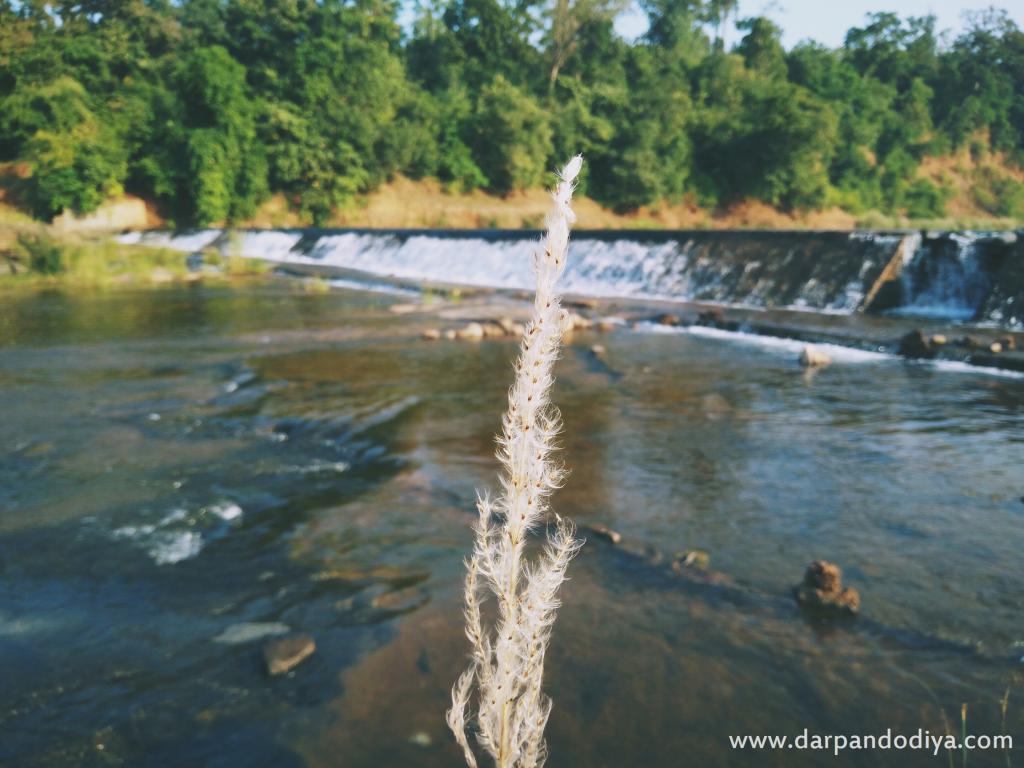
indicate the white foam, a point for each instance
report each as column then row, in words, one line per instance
column 170, row 547
column 189, row 242
column 133, row 531
column 838, row 353
column 318, row 467
column 179, row 535
column 227, row 511
column 248, row 631
column 269, row 245
column 357, row 285
column 671, row 270
column 957, row 366
column 174, row 516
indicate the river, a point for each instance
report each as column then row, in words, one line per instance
column 185, row 465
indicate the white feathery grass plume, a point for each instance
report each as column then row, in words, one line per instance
column 507, row 660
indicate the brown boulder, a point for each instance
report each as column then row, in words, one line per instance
column 712, row 317
column 916, row 344
column 822, row 590
column 812, row 357
column 284, row 654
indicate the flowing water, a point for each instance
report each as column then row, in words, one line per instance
column 186, row 471
column 946, row 275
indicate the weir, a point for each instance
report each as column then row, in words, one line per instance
column 960, row 276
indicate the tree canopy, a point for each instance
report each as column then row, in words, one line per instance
column 207, row 107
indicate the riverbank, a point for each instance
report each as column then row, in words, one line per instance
column 35, row 256
column 402, row 202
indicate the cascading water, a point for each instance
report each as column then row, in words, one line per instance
column 829, row 272
column 948, row 275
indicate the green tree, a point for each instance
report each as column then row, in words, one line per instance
column 226, row 175
column 511, row 137
column 76, row 160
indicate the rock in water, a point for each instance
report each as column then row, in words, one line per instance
column 822, row 590
column 603, row 531
column 916, row 344
column 812, row 357
column 472, row 332
column 692, row 558
column 431, row 334
column 713, row 318
column 286, row 653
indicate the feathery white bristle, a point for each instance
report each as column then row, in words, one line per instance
column 572, row 169
column 508, row 658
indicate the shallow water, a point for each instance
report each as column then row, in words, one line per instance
column 175, row 462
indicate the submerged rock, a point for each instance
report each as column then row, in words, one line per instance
column 812, row 357
column 916, row 344
column 691, row 558
column 404, row 309
column 420, row 739
column 711, row 317
column 602, row 531
column 248, row 631
column 431, row 334
column 400, row 600
column 822, row 590
column 286, row 653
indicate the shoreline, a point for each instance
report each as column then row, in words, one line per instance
column 871, row 334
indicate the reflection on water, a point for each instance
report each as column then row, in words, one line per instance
column 185, row 471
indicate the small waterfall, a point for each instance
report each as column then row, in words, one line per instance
column 815, row 271
column 945, row 275
column 948, row 277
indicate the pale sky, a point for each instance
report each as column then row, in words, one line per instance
column 826, row 21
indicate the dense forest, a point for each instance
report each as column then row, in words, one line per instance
column 207, row 107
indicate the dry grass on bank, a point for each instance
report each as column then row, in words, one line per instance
column 976, row 182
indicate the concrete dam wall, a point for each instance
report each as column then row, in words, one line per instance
column 961, row 276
